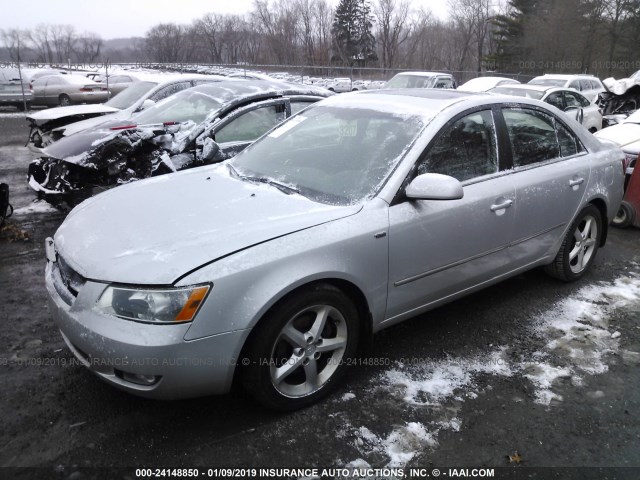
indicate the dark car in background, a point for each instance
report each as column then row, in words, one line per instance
column 198, row 126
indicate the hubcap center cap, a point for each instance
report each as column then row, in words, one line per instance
column 310, row 350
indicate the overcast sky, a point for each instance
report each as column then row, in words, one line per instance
column 129, row 18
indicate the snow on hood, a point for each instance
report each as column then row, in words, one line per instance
column 621, row 134
column 619, row 87
column 93, row 122
column 154, row 231
column 49, row 114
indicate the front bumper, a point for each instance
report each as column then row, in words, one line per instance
column 148, row 360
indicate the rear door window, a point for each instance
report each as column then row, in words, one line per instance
column 538, row 137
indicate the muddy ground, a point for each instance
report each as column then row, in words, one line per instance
column 58, row 416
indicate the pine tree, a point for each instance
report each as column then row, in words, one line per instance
column 353, row 41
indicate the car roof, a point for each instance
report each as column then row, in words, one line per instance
column 425, row 102
column 559, row 76
column 423, row 74
column 526, row 86
column 237, row 90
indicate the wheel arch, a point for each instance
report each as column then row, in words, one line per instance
column 351, row 290
column 601, row 205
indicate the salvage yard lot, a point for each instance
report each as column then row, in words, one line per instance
column 532, row 365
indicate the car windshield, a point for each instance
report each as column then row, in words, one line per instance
column 520, row 92
column 130, row 95
column 330, row 154
column 411, row 81
column 188, row 105
column 549, row 82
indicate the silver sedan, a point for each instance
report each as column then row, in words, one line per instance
column 64, row 90
column 362, row 211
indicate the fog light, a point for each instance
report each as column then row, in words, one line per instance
column 138, row 378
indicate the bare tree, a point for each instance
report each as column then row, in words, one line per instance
column 164, row 43
column 40, row 38
column 89, row 47
column 210, row 28
column 279, row 21
column 391, row 17
column 15, row 41
column 63, row 38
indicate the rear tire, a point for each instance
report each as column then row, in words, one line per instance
column 579, row 247
column 298, row 352
column 625, row 216
column 64, row 100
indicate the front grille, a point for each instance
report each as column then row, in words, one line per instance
column 66, row 281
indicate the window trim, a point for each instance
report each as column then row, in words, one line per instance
column 550, row 161
column 400, row 197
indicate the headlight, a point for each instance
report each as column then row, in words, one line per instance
column 169, row 305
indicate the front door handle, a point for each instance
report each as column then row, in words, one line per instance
column 501, row 206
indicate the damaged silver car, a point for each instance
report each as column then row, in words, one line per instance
column 50, row 125
column 198, row 126
column 366, row 209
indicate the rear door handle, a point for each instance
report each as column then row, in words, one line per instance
column 576, row 182
column 501, row 206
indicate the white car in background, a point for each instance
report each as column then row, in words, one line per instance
column 422, row 80
column 484, row 84
column 589, row 85
column 340, row 85
column 572, row 103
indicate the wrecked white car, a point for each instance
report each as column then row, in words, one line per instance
column 198, row 126
column 621, row 99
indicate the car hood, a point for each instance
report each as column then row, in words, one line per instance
column 619, row 87
column 85, row 148
column 82, row 125
column 49, row 114
column 621, row 134
column 154, row 231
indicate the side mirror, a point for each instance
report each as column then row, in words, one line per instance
column 578, row 111
column 434, row 186
column 210, row 150
column 146, row 104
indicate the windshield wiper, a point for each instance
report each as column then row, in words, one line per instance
column 283, row 187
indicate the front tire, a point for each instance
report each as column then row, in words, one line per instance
column 297, row 353
column 579, row 247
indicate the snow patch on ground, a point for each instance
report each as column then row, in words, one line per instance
column 431, row 383
column 578, row 335
column 37, row 206
column 578, row 342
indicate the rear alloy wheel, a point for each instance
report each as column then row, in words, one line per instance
column 298, row 352
column 578, row 250
column 64, row 100
column 625, row 216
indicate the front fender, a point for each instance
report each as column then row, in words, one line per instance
column 247, row 284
